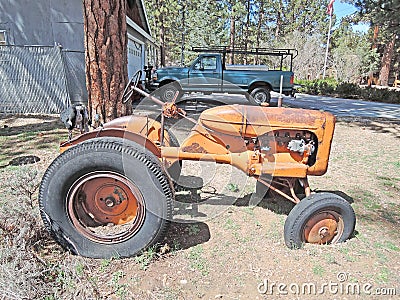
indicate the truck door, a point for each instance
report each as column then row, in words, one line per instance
column 205, row 74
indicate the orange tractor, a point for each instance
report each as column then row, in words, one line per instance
column 110, row 192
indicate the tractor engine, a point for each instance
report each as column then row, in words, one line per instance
column 301, row 145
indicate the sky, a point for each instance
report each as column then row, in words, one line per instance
column 342, row 9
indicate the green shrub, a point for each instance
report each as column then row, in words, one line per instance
column 348, row 90
column 331, row 87
column 317, row 86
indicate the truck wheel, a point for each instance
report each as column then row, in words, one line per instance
column 106, row 198
column 260, row 95
column 167, row 92
column 322, row 218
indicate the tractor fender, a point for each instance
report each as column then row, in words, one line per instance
column 143, row 131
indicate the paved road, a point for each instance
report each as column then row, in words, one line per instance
column 345, row 107
column 337, row 106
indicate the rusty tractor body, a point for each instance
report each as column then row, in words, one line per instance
column 109, row 209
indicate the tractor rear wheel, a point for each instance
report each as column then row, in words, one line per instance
column 106, row 198
column 322, row 218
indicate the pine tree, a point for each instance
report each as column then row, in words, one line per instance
column 385, row 15
column 105, row 56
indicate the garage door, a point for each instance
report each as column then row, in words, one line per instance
column 135, row 57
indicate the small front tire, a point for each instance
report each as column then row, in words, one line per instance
column 322, row 218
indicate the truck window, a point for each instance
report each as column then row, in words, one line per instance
column 210, row 63
column 206, row 63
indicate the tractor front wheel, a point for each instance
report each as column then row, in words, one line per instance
column 106, row 198
column 322, row 218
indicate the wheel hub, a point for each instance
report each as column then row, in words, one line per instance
column 324, row 227
column 103, row 199
column 260, row 97
column 169, row 94
column 109, row 200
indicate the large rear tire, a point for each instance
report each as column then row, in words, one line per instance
column 106, row 198
column 322, row 218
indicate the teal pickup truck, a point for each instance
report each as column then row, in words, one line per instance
column 208, row 73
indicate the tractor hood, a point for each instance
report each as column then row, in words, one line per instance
column 256, row 120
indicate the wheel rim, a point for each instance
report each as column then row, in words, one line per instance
column 323, row 228
column 169, row 94
column 106, row 207
column 260, row 97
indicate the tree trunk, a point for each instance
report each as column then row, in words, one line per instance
column 259, row 23
column 161, row 25
column 105, row 57
column 232, row 38
column 278, row 20
column 386, row 62
column 374, row 46
column 246, row 38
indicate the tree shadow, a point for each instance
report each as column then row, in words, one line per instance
column 379, row 125
column 186, row 235
column 39, row 127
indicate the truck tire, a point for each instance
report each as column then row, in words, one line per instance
column 260, row 95
column 322, row 218
column 167, row 92
column 106, row 198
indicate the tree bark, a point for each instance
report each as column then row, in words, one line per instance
column 259, row 23
column 386, row 62
column 246, row 38
column 374, row 46
column 105, row 57
column 160, row 4
column 278, row 20
column 232, row 38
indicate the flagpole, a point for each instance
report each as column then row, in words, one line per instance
column 327, row 44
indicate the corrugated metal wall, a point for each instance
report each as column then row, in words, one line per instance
column 38, row 79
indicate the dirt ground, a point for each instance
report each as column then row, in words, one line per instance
column 221, row 246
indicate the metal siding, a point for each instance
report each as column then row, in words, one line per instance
column 32, row 80
column 45, row 79
column 28, row 22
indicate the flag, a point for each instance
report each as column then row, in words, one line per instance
column 329, row 9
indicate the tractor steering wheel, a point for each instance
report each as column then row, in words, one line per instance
column 128, row 91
